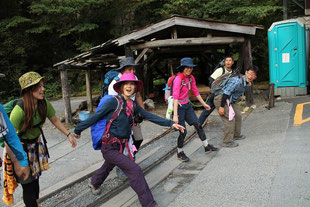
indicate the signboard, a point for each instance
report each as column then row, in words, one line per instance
column 285, row 57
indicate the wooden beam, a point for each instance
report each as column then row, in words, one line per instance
column 188, row 42
column 217, row 25
column 141, row 55
column 88, row 91
column 65, row 94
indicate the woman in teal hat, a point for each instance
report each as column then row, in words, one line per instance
column 27, row 117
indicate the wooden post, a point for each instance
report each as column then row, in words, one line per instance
column 88, row 91
column 271, row 95
column 65, row 94
column 247, row 64
column 241, row 57
column 128, row 51
column 174, row 33
column 145, row 79
column 247, row 54
column 249, row 96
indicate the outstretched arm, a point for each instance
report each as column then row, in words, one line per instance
column 157, row 119
column 63, row 129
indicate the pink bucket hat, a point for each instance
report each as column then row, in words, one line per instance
column 128, row 77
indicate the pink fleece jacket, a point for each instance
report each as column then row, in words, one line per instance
column 181, row 93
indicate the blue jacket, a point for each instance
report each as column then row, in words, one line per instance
column 13, row 141
column 121, row 126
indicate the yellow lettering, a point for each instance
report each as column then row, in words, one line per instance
column 298, row 114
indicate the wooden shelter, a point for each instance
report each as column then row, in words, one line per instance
column 174, row 37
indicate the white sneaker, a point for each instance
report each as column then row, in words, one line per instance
column 93, row 189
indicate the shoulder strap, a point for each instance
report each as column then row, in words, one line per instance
column 240, row 76
column 223, row 70
column 20, row 103
column 114, row 115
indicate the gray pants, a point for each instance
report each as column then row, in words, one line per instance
column 231, row 128
column 137, row 133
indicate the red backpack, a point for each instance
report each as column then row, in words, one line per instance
column 169, row 85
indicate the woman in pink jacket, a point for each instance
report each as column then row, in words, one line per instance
column 182, row 109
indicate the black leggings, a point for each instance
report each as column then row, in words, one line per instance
column 31, row 193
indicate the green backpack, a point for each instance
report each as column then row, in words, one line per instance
column 9, row 106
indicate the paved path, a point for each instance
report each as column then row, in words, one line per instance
column 270, row 168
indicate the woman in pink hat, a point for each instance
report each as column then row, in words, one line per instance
column 117, row 133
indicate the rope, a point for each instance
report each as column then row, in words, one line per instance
column 197, row 105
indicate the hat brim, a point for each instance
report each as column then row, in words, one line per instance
column 2, row 75
column 117, row 86
column 183, row 66
column 120, row 68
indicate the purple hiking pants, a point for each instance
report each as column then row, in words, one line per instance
column 112, row 158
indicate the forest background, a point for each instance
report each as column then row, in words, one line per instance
column 35, row 34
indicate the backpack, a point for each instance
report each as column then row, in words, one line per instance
column 221, row 64
column 169, row 85
column 220, row 82
column 101, row 128
column 9, row 106
column 108, row 78
column 169, row 92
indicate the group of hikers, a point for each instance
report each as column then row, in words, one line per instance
column 120, row 133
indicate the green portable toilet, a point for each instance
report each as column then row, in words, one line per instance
column 287, row 57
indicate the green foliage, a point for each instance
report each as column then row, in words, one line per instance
column 36, row 34
column 52, row 87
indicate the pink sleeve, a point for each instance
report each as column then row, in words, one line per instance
column 194, row 87
column 176, row 87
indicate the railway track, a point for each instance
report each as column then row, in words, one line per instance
column 78, row 194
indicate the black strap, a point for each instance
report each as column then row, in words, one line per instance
column 20, row 103
column 45, row 142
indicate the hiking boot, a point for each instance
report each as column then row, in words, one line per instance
column 230, row 144
column 210, row 148
column 93, row 189
column 181, row 156
column 239, row 137
column 120, row 174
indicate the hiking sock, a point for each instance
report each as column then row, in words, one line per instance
column 205, row 143
column 180, row 150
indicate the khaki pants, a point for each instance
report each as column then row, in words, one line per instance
column 231, row 128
